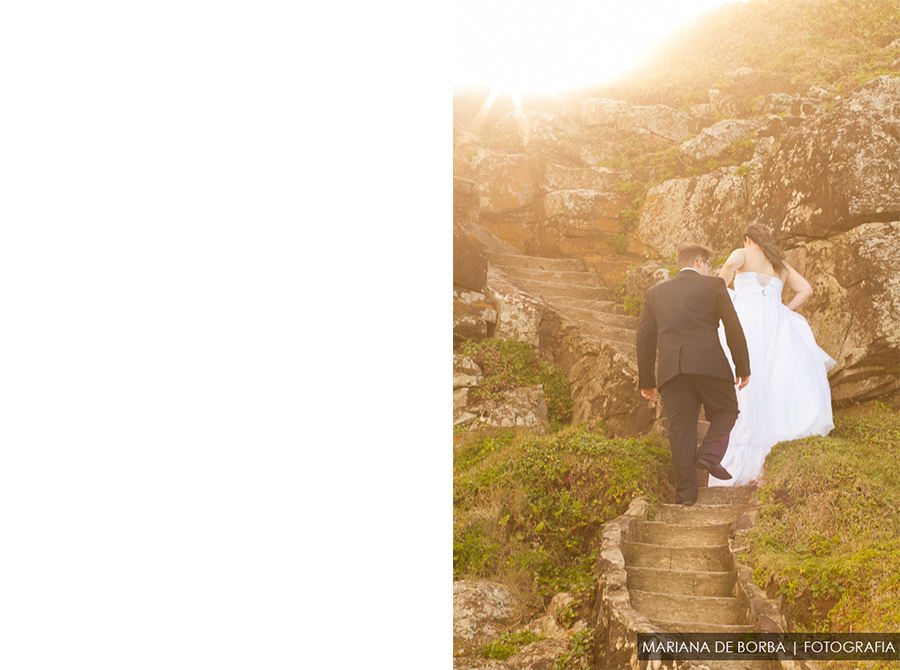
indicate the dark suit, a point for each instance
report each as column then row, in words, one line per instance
column 681, row 319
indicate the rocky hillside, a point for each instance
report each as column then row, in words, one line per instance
column 615, row 187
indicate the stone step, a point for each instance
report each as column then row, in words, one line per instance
column 604, row 332
column 553, row 289
column 603, row 306
column 699, row 609
column 683, row 582
column 566, row 276
column 698, row 515
column 709, row 559
column 535, row 263
column 725, row 495
column 678, row 535
column 588, row 315
column 691, row 627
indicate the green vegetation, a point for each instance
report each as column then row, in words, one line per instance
column 652, row 166
column 528, row 508
column 508, row 364
column 618, row 242
column 828, row 537
column 835, row 44
column 579, row 653
column 633, row 305
column 628, row 220
column 508, row 644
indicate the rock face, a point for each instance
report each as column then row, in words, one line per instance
column 481, row 611
column 601, row 112
column 855, row 307
column 836, row 171
column 708, row 210
column 831, row 194
column 827, row 182
column 523, row 407
column 713, row 142
column 661, row 120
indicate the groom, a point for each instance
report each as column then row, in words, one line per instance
column 681, row 317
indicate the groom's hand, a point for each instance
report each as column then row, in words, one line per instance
column 742, row 381
column 649, row 394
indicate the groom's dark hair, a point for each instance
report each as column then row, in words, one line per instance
column 689, row 254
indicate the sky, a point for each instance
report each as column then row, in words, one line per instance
column 549, row 46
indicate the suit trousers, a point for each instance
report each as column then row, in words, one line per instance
column 682, row 398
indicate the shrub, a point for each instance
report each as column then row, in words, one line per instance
column 508, row 644
column 628, row 220
column 633, row 305
column 528, row 508
column 618, row 242
column 509, row 364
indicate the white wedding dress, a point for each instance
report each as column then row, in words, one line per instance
column 788, row 396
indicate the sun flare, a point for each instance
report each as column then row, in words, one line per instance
column 540, row 47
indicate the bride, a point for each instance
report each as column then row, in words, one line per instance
column 789, row 396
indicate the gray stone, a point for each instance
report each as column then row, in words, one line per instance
column 661, row 120
column 715, row 141
column 481, row 610
column 725, row 104
column 708, row 210
column 601, row 111
column 837, row 170
column 855, row 307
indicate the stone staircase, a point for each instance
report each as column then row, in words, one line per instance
column 681, row 574
column 576, row 294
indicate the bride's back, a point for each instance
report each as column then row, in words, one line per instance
column 755, row 261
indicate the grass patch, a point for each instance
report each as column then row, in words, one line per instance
column 828, row 538
column 508, row 644
column 836, row 44
column 528, row 508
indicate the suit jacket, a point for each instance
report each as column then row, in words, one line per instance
column 681, row 318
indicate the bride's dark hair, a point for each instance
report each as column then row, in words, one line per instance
column 761, row 236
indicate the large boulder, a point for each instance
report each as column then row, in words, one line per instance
column 481, row 611
column 708, row 210
column 836, row 171
column 605, row 386
column 560, row 178
column 640, row 278
column 785, row 103
column 602, row 111
column 519, row 314
column 713, row 143
column 474, row 315
column 725, row 104
column 582, row 212
column 522, row 407
column 549, row 136
column 578, row 222
column 661, row 120
column 505, row 181
column 831, row 194
column 855, row 307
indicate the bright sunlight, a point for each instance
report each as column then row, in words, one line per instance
column 549, row 46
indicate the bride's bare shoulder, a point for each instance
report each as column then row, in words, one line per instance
column 736, row 258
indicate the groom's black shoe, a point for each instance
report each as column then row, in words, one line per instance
column 714, row 469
